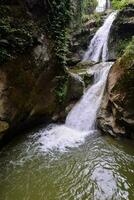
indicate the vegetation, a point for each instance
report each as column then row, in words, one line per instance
column 58, row 19
column 119, row 4
column 122, row 44
column 63, row 17
column 16, row 32
column 61, row 89
column 89, row 6
column 127, row 63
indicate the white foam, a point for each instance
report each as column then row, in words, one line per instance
column 61, row 137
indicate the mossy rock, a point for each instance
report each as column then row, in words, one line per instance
column 117, row 112
column 121, row 32
column 19, row 31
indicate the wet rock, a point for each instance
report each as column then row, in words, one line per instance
column 121, row 32
column 75, row 87
column 82, row 69
column 78, row 45
column 72, row 61
column 90, row 24
column 26, row 77
column 117, row 111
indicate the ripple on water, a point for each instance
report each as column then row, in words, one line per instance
column 95, row 168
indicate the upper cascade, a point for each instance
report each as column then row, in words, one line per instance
column 103, row 5
column 98, row 48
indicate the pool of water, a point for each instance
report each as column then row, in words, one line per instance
column 96, row 168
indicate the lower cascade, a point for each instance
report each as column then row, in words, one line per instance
column 81, row 121
column 83, row 115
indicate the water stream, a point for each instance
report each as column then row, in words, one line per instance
column 98, row 47
column 83, row 115
column 103, row 5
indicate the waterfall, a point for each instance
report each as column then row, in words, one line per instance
column 83, row 115
column 98, row 48
column 81, row 121
column 103, row 5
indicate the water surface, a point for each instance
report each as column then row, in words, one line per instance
column 96, row 168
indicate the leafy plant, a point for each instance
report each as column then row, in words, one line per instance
column 58, row 19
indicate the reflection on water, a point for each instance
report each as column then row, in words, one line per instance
column 101, row 168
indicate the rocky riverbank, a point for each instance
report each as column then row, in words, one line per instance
column 35, row 85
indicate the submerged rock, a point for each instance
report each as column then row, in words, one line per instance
column 117, row 111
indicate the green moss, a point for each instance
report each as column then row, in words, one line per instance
column 126, row 64
column 121, row 47
column 61, row 89
column 87, row 79
column 17, row 32
column 119, row 4
column 57, row 23
column 95, row 17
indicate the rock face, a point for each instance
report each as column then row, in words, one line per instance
column 80, row 39
column 26, row 91
column 28, row 70
column 121, row 32
column 33, row 86
column 117, row 112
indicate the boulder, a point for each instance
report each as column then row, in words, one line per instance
column 83, row 70
column 75, row 87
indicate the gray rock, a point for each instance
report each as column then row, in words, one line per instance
column 75, row 87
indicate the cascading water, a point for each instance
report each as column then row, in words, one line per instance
column 103, row 5
column 98, row 48
column 83, row 115
column 81, row 121
column 100, row 169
